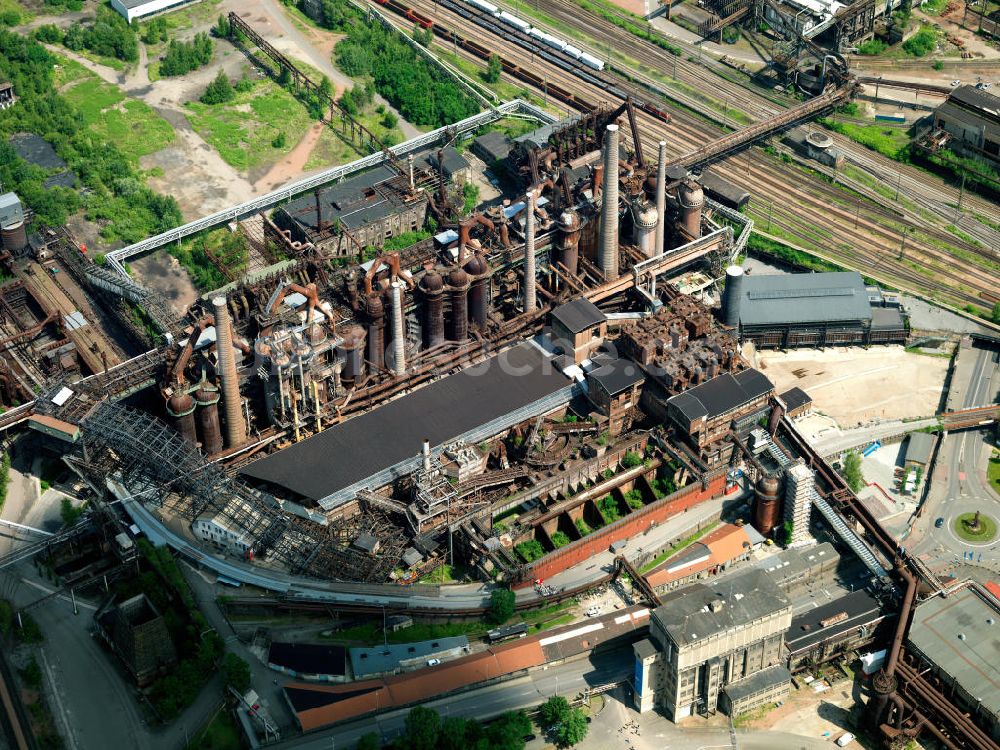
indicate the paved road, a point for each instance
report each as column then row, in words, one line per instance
column 959, row 482
column 842, row 440
column 485, row 703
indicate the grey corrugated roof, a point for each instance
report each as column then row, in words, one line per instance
column 617, row 376
column 721, row 394
column 776, row 299
column 807, row 628
column 747, row 596
column 973, row 661
column 755, row 683
column 644, row 648
column 365, row 445
column 795, row 398
column 578, row 315
column 969, row 96
column 886, row 318
column 494, row 144
column 919, row 447
column 352, row 202
column 381, row 658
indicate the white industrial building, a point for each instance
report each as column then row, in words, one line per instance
column 138, row 9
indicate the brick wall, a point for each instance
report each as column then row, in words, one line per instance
column 637, row 522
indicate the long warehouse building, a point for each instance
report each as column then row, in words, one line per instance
column 811, row 309
column 374, row 449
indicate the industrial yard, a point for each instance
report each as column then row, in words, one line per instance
column 446, row 374
column 855, row 386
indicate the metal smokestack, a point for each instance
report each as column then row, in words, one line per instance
column 398, row 350
column 427, row 456
column 731, row 296
column 608, row 257
column 661, row 197
column 236, row 430
column 529, row 252
column 409, row 161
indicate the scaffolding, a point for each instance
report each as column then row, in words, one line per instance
column 159, row 467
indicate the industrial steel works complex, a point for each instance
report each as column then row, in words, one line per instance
column 541, row 444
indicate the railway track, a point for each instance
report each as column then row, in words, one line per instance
column 869, row 241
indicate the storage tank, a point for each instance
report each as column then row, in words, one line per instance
column 432, row 287
column 645, row 220
column 731, row 296
column 352, row 348
column 479, row 295
column 376, row 331
column 458, row 283
column 569, row 223
column 14, row 238
column 767, row 504
column 207, row 398
column 181, row 407
column 691, row 198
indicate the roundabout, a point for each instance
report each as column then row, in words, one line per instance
column 977, row 527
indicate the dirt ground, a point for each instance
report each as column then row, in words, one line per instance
column 855, row 386
column 160, row 272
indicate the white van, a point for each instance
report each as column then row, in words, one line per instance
column 845, row 739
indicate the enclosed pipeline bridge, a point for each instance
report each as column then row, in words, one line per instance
column 740, row 139
column 517, row 108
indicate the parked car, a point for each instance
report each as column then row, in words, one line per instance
column 939, row 523
column 433, row 662
column 845, row 739
column 956, row 82
column 593, row 611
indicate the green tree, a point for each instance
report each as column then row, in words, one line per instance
column 454, row 734
column 279, row 141
column 995, row 314
column 508, row 730
column 325, row 87
column 501, row 606
column 219, row 91
column 553, row 711
column 369, row 741
column 631, row 459
column 69, row 512
column 852, row 471
column 494, row 69
column 423, row 725
column 222, row 28
column 571, row 730
column 787, row 529
column 236, row 673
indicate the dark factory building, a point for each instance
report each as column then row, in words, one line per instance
column 615, row 388
column 372, row 207
column 810, row 309
column 328, row 468
column 972, row 117
column 706, row 413
column 832, row 629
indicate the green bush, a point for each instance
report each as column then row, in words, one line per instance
column 631, row 459
column 183, row 57
column 634, row 499
column 530, row 550
column 110, row 35
column 608, row 508
column 219, row 91
column 583, row 527
column 279, row 141
column 559, row 539
column 236, row 673
column 921, row 43
column 502, row 603
column 872, row 47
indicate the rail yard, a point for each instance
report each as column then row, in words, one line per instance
column 534, row 407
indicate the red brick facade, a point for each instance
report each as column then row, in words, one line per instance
column 637, row 522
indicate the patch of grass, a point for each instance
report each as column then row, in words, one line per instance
column 891, row 142
column 131, row 124
column 994, row 474
column 330, row 151
column 12, row 6
column 530, row 550
column 242, row 130
column 987, row 528
column 559, row 539
column 187, row 17
column 108, row 62
column 678, row 547
column 222, row 733
column 933, row 7
column 68, row 71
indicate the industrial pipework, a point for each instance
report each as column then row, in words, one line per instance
column 608, row 257
column 529, row 251
column 232, row 402
column 398, row 342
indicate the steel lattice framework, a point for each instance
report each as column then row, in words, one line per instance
column 160, row 467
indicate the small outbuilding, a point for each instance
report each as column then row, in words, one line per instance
column 134, row 9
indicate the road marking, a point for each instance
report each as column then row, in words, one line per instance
column 67, row 730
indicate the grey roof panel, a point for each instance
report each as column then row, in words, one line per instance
column 747, row 596
column 973, row 660
column 776, row 299
column 755, row 683
column 722, row 393
column 617, row 376
column 578, row 315
column 366, row 444
column 807, row 628
column 919, row 447
column 795, row 398
column 979, row 99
